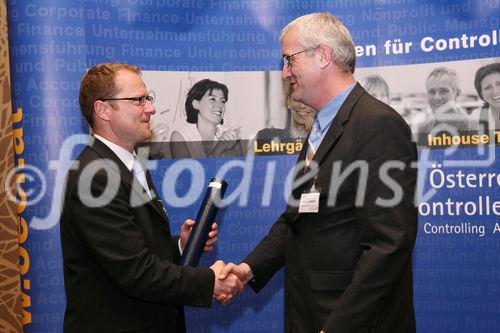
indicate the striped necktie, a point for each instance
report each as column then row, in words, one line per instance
column 140, row 175
column 313, row 141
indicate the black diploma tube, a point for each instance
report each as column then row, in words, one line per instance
column 206, row 217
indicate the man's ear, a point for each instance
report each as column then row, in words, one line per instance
column 326, row 55
column 102, row 110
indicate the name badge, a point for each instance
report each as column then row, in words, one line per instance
column 309, row 201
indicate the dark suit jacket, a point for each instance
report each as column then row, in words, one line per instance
column 120, row 269
column 348, row 267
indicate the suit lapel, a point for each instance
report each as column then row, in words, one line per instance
column 336, row 128
column 127, row 176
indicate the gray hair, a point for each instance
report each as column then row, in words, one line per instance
column 325, row 29
column 440, row 71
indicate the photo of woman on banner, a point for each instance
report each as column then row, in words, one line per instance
column 204, row 134
column 487, row 83
column 299, row 122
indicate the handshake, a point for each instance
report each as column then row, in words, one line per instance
column 230, row 280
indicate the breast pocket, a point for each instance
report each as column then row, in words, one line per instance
column 328, row 286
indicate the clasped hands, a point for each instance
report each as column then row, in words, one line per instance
column 230, row 280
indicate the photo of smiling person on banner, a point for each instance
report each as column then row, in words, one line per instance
column 443, row 88
column 487, row 84
column 204, row 134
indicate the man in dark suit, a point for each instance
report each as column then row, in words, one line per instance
column 120, row 259
column 346, row 236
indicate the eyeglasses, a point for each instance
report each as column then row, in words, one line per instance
column 288, row 59
column 139, row 100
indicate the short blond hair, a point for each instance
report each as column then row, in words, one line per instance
column 99, row 83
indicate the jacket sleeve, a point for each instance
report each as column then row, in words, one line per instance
column 269, row 255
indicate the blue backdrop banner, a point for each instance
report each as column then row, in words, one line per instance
column 177, row 43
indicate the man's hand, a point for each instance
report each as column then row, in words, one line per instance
column 242, row 271
column 186, row 228
column 226, row 289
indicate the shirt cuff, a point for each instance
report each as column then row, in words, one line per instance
column 179, row 245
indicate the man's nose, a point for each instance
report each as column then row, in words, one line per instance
column 285, row 72
column 149, row 108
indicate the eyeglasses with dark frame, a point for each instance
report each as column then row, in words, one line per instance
column 288, row 59
column 141, row 100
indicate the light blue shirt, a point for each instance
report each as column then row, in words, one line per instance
column 325, row 116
